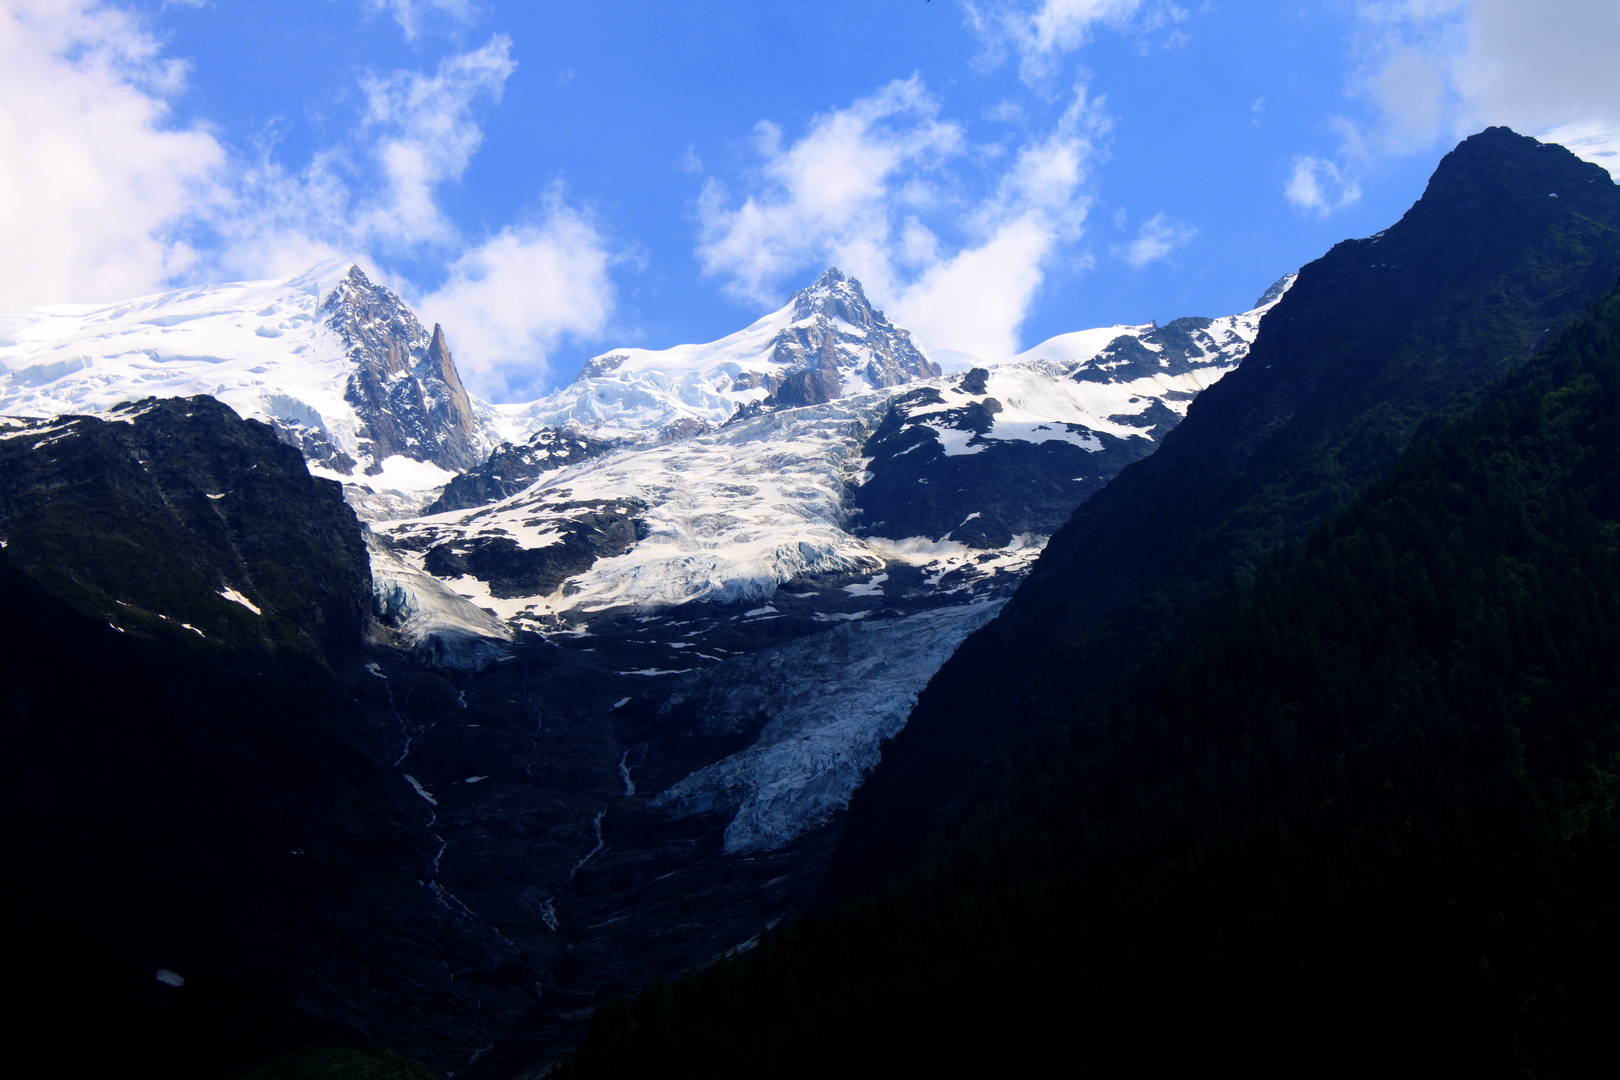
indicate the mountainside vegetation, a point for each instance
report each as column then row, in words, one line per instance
column 1357, row 813
column 169, row 796
column 1510, row 241
column 177, row 519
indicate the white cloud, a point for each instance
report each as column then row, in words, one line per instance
column 1319, row 186
column 102, row 196
column 1440, row 68
column 1158, row 236
column 427, row 138
column 377, row 194
column 1430, row 71
column 828, row 194
column 509, row 301
column 1043, row 32
column 871, row 189
column 95, row 178
column 414, row 15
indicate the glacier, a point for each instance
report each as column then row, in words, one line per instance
column 832, row 699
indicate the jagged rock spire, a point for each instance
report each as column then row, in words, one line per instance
column 405, row 386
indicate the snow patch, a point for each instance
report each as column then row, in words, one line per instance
column 874, row 587
column 235, row 597
column 420, row 790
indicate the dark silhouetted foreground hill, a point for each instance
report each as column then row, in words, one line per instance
column 1511, row 239
column 1357, row 815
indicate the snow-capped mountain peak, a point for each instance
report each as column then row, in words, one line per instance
column 340, row 366
column 827, row 342
column 837, row 334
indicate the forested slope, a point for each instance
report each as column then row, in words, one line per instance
column 1358, row 814
column 1511, row 239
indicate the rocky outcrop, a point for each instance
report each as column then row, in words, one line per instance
column 405, row 387
column 511, row 468
column 1177, row 347
column 580, row 533
column 991, row 489
column 836, row 337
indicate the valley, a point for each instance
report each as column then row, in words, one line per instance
column 619, row 676
column 507, row 711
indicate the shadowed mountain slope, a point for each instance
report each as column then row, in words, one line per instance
column 1511, row 239
column 177, row 518
column 1357, row 816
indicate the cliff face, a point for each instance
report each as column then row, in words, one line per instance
column 405, row 386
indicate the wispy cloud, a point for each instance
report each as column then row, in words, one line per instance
column 1158, row 236
column 830, row 193
column 514, row 297
column 873, row 188
column 424, row 135
column 1320, row 187
column 1040, row 34
column 415, row 16
column 1427, row 71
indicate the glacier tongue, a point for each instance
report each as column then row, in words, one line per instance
column 439, row 627
column 832, row 699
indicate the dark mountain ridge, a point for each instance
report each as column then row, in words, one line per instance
column 1511, row 239
column 180, row 519
column 1359, row 814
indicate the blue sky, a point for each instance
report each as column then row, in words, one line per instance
column 550, row 180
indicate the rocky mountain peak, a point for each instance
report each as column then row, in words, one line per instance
column 835, row 296
column 837, row 338
column 405, row 387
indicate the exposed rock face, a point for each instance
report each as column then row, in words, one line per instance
column 1175, row 348
column 511, row 468
column 837, row 336
column 405, row 387
column 938, row 470
column 177, row 518
column 981, row 468
column 579, row 534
